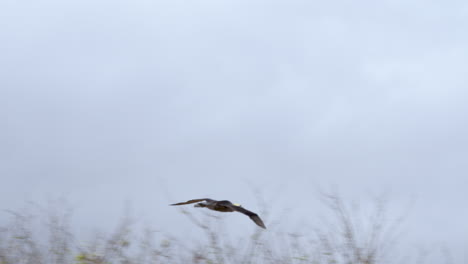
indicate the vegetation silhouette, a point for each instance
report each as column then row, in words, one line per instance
column 343, row 239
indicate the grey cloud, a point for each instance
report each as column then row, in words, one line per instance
column 119, row 97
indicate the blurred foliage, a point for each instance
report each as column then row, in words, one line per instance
column 343, row 238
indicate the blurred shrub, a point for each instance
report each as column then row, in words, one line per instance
column 344, row 238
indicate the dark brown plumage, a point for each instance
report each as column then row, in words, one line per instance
column 224, row 206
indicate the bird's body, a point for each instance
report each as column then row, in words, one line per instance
column 224, row 206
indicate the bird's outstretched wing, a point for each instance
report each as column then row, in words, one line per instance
column 250, row 214
column 192, row 201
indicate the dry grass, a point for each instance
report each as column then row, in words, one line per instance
column 344, row 238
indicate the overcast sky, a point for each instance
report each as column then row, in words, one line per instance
column 154, row 102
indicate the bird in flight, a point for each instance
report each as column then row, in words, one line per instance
column 224, row 206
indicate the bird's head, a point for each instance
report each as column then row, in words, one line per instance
column 236, row 204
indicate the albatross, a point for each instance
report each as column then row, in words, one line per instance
column 224, row 206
